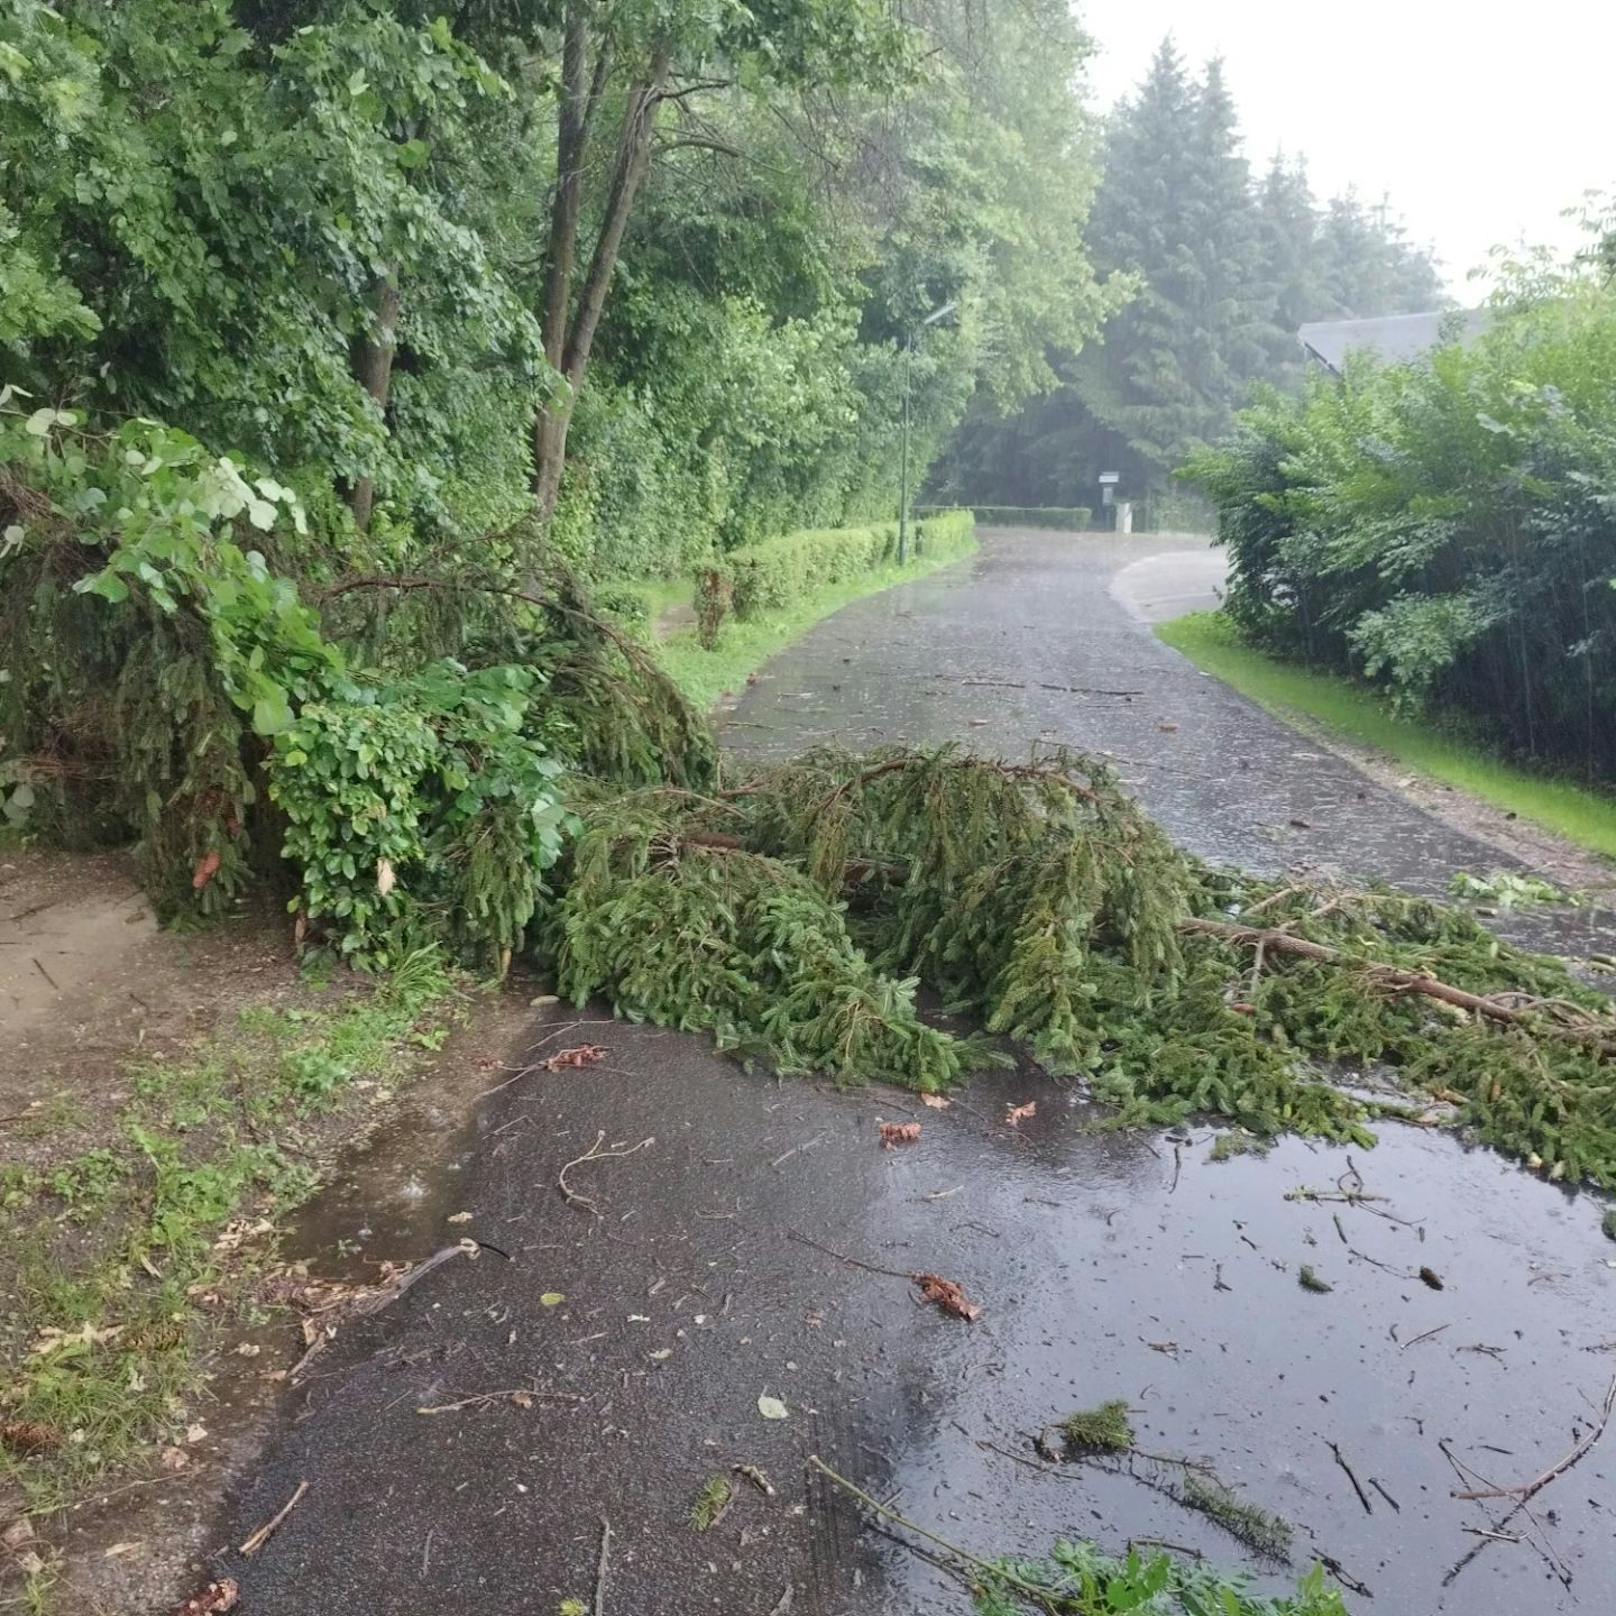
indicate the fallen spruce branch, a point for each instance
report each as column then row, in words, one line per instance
column 1044, row 1596
column 1397, row 980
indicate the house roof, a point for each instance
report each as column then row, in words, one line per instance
column 1395, row 338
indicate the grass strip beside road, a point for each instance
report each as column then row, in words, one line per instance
column 743, row 647
column 1336, row 708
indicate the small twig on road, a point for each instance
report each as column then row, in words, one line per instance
column 46, row 974
column 795, row 1148
column 600, row 1568
column 1397, row 1508
column 594, row 1153
column 1363, row 1497
column 841, row 1256
column 267, row 1530
column 784, row 1604
column 1416, row 1340
column 510, row 1392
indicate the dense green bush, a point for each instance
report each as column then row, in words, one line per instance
column 776, row 573
column 1446, row 529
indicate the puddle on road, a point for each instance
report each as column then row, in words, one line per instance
column 390, row 1199
column 1099, row 1259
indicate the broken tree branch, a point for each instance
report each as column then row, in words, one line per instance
column 1398, row 980
column 1530, row 1488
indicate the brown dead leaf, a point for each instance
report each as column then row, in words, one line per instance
column 935, row 1101
column 214, row 1600
column 948, row 1296
column 1019, row 1113
column 894, row 1134
column 29, row 1436
column 578, row 1055
column 206, row 868
column 386, row 876
column 174, row 1458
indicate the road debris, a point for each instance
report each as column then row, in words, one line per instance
column 945, row 1293
column 214, row 1600
column 1363, row 1497
column 757, row 1478
column 771, row 1408
column 1019, row 1113
column 948, row 1296
column 1105, row 1429
column 1310, row 1281
column 265, row 1532
column 894, row 1134
column 712, row 1503
column 594, row 1153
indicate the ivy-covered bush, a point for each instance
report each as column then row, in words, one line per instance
column 429, row 804
column 1446, row 528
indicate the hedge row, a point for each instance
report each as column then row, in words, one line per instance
column 1066, row 518
column 778, row 572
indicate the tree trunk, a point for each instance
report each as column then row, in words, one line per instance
column 373, row 366
column 576, row 336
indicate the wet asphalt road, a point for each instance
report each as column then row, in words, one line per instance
column 1097, row 1258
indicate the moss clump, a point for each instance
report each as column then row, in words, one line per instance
column 1609, row 1224
column 1309, row 1281
column 1229, row 1145
column 1099, row 1430
column 1263, row 1533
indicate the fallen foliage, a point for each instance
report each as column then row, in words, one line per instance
column 796, row 911
column 948, row 1296
column 1105, row 1429
column 894, row 1134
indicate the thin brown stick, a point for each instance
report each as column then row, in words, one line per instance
column 594, row 1153
column 600, row 1567
column 1528, row 1489
column 267, row 1530
column 1363, row 1497
column 869, row 1268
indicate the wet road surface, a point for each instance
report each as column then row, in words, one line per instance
column 1107, row 1265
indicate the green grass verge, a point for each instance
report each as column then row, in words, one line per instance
column 743, row 647
column 122, row 1264
column 1338, row 708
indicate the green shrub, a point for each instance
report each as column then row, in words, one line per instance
column 776, row 572
column 1444, row 528
column 1065, row 518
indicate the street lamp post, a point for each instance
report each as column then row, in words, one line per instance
column 903, row 474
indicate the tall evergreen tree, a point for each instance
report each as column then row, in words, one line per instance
column 1288, row 225
column 1224, row 273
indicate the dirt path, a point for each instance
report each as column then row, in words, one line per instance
column 1108, row 1265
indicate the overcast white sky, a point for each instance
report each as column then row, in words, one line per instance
column 1481, row 121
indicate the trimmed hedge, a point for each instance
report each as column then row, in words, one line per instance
column 1065, row 518
column 775, row 573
